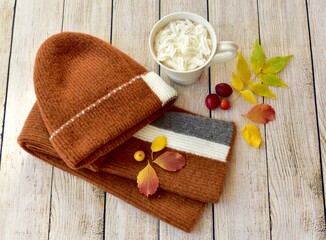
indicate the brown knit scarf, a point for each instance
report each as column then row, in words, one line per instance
column 95, row 108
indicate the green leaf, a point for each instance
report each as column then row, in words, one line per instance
column 271, row 79
column 276, row 64
column 248, row 96
column 243, row 68
column 261, row 90
column 236, row 82
column 257, row 58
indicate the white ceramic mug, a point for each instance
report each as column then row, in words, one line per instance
column 221, row 51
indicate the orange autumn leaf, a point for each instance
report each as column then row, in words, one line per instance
column 147, row 180
column 261, row 113
column 171, row 161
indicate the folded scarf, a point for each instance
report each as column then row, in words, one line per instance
column 97, row 143
column 181, row 196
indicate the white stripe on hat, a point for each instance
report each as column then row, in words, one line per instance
column 164, row 91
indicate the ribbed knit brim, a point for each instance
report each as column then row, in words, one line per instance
column 92, row 97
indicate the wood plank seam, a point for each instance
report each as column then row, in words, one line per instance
column 50, row 204
column 7, row 83
column 111, row 27
column 52, row 170
column 210, row 116
column 63, row 14
column 267, row 179
column 105, row 193
column 104, row 215
column 159, row 73
column 265, row 139
column 316, row 110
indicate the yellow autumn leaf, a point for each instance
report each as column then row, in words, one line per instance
column 236, row 82
column 276, row 64
column 261, row 90
column 248, row 96
column 257, row 58
column 251, row 135
column 147, row 180
column 158, row 144
column 243, row 68
column 271, row 79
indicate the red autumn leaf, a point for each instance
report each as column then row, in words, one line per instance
column 147, row 180
column 261, row 113
column 171, row 161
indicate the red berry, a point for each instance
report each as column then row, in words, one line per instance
column 223, row 89
column 225, row 104
column 212, row 101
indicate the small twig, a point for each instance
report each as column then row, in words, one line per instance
column 152, row 155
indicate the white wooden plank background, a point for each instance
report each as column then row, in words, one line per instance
column 245, row 190
column 317, row 24
column 272, row 193
column 292, row 141
column 6, row 18
column 25, row 182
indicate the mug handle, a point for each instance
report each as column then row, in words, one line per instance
column 226, row 51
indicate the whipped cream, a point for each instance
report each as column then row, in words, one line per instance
column 183, row 45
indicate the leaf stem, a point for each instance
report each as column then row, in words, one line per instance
column 152, row 155
column 244, row 120
column 253, row 78
column 236, row 97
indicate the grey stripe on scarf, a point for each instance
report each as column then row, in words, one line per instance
column 205, row 128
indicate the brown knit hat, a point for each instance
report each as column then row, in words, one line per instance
column 92, row 97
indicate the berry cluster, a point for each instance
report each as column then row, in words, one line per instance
column 213, row 100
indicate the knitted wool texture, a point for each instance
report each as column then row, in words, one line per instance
column 181, row 196
column 103, row 134
column 85, row 88
column 204, row 142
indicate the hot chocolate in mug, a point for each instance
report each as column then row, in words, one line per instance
column 220, row 51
